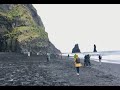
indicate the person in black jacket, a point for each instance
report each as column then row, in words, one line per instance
column 68, row 55
column 85, row 64
column 88, row 60
column 100, row 57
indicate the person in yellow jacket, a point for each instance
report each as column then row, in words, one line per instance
column 77, row 63
column 75, row 56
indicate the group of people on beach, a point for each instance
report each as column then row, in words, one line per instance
column 86, row 61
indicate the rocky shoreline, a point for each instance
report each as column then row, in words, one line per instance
column 20, row 70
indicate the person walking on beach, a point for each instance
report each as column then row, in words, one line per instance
column 75, row 56
column 88, row 60
column 68, row 55
column 48, row 56
column 77, row 63
column 100, row 57
column 85, row 61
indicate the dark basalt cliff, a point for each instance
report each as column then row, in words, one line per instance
column 22, row 30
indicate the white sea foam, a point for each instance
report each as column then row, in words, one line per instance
column 107, row 57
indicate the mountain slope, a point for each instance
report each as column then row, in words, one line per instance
column 21, row 29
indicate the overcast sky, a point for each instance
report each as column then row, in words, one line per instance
column 85, row 24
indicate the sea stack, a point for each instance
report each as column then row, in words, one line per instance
column 94, row 48
column 76, row 49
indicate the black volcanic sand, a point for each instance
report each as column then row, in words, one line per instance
column 20, row 70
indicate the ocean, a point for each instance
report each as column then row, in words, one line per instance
column 107, row 56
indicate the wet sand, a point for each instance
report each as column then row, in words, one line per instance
column 20, row 70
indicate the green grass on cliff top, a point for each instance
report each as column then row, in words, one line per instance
column 24, row 33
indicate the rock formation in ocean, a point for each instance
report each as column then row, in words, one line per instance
column 95, row 50
column 22, row 30
column 76, row 49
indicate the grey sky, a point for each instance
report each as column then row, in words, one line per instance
column 85, row 24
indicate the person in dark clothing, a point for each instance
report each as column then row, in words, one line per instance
column 100, row 57
column 88, row 59
column 48, row 56
column 85, row 61
column 68, row 55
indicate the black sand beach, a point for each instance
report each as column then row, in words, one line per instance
column 20, row 70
